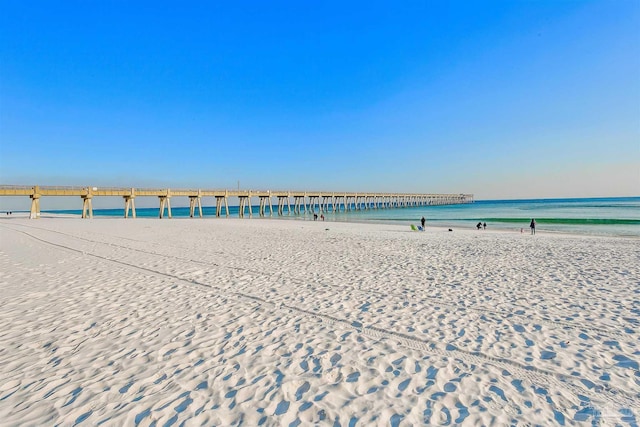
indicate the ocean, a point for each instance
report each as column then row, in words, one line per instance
column 618, row 216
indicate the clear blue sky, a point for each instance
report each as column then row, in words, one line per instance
column 503, row 99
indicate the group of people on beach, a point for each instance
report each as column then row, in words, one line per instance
column 532, row 225
column 483, row 225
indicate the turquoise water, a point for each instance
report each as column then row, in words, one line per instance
column 598, row 216
column 601, row 216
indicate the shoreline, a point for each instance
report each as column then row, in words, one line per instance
column 302, row 218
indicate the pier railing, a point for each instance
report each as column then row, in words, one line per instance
column 303, row 201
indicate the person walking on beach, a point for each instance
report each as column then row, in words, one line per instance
column 423, row 222
column 479, row 225
column 533, row 226
column 484, row 225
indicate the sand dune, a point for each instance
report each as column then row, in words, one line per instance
column 266, row 322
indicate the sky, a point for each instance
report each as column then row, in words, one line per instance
column 501, row 99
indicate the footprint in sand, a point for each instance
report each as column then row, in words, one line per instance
column 334, row 375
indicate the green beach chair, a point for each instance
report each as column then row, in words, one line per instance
column 414, row 228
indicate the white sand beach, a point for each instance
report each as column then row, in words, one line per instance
column 271, row 322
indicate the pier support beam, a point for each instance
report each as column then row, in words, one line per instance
column 245, row 201
column 129, row 203
column 241, row 203
column 165, row 201
column 299, row 204
column 193, row 202
column 263, row 205
column 87, row 206
column 312, row 203
column 35, row 205
column 219, row 201
column 281, row 200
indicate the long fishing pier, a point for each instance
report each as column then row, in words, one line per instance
column 303, row 201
